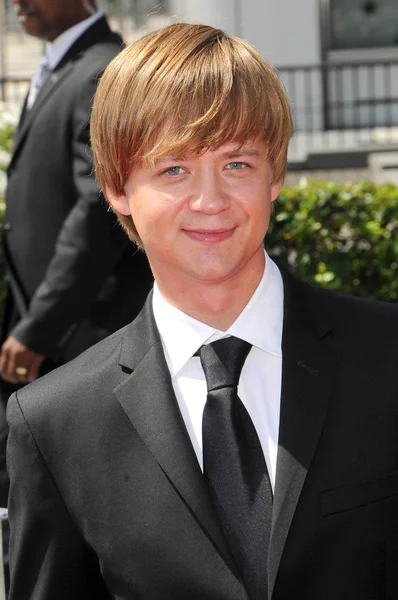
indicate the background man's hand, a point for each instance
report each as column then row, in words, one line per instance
column 19, row 364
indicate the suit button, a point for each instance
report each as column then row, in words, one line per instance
column 7, row 226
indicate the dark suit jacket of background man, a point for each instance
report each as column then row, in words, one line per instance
column 116, row 492
column 73, row 275
column 69, row 263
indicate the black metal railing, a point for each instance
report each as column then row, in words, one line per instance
column 13, row 89
column 336, row 106
column 344, row 95
column 350, row 105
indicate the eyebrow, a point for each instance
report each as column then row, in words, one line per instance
column 229, row 154
column 165, row 159
column 241, row 152
column 233, row 153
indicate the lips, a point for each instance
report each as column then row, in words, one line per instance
column 25, row 12
column 209, row 236
column 24, row 16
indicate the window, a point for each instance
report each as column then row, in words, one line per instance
column 363, row 24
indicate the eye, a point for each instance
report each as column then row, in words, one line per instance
column 173, row 171
column 236, row 165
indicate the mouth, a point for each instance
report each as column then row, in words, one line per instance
column 25, row 12
column 209, row 236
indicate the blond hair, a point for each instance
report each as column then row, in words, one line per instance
column 184, row 88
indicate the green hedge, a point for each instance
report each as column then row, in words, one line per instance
column 342, row 237
column 8, row 121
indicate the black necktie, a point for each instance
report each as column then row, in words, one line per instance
column 234, row 465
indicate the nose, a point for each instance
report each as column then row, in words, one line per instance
column 210, row 196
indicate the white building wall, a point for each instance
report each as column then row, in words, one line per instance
column 286, row 32
column 218, row 13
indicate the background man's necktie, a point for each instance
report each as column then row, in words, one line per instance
column 234, row 465
column 37, row 81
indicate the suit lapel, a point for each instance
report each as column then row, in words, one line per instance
column 308, row 372
column 28, row 116
column 148, row 398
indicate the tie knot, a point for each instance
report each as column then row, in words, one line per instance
column 222, row 361
column 44, row 66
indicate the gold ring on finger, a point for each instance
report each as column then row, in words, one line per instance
column 21, row 371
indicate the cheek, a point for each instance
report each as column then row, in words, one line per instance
column 138, row 214
column 153, row 218
column 258, row 212
column 256, row 204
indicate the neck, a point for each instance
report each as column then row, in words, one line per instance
column 90, row 7
column 76, row 18
column 215, row 304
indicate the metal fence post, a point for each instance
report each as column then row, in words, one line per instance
column 3, row 29
column 3, row 517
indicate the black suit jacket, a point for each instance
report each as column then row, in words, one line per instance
column 74, row 277
column 108, row 500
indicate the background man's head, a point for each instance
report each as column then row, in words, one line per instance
column 185, row 88
column 47, row 19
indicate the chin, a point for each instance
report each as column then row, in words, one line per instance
column 214, row 274
column 31, row 30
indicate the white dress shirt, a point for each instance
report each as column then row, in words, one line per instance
column 260, row 324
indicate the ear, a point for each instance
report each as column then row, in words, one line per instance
column 275, row 189
column 120, row 203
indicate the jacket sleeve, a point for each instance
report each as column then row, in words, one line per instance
column 48, row 556
column 89, row 245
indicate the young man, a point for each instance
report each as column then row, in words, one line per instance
column 239, row 438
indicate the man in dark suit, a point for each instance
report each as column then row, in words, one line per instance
column 73, row 277
column 239, row 439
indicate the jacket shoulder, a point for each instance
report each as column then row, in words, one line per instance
column 81, row 382
column 95, row 59
column 345, row 304
column 103, row 50
column 353, row 320
column 372, row 323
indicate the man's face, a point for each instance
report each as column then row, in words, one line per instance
column 47, row 19
column 203, row 217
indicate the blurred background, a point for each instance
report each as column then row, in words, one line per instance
column 338, row 60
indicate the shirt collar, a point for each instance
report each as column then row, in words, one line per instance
column 260, row 323
column 59, row 47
